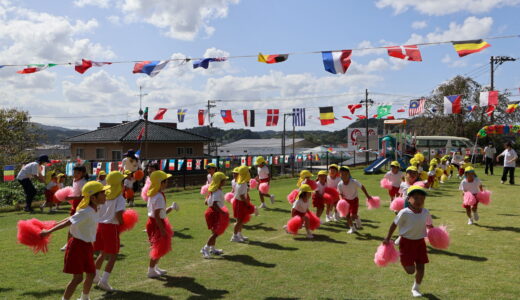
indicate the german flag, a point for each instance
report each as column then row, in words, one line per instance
column 272, row 58
column 326, row 115
column 464, row 48
column 511, row 107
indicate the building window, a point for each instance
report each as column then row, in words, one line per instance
column 100, row 153
column 80, row 152
column 180, row 151
column 116, row 155
column 189, row 151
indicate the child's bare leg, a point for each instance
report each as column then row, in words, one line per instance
column 420, row 273
column 212, row 240
column 89, row 278
column 319, row 211
column 71, row 287
column 468, row 212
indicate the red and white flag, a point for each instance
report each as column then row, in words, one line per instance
column 272, row 117
column 201, row 117
column 249, row 118
column 226, row 116
column 490, row 110
column 160, row 114
column 488, row 98
column 85, row 64
column 407, row 52
column 353, row 107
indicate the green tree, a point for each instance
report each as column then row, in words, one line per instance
column 17, row 136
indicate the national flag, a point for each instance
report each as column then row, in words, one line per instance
column 85, row 64
column 361, row 117
column 69, row 169
column 511, row 107
column 406, row 52
column 353, row 107
column 180, row 163
column 346, row 117
column 8, row 173
column 374, row 116
column 276, row 160
column 180, row 114
column 464, row 48
column 108, row 167
column 326, row 115
column 35, row 68
column 204, row 63
column 272, row 117
column 226, row 116
column 163, row 164
column 119, row 166
column 272, row 58
column 151, row 68
column 138, row 153
column 286, row 159
column 383, row 110
column 171, row 165
column 242, row 161
column 201, row 117
column 160, row 114
column 416, row 107
column 214, row 161
column 471, row 108
column 453, row 104
column 488, row 98
column 189, row 164
column 249, row 118
column 205, row 163
column 145, row 114
column 490, row 110
column 390, row 118
column 141, row 134
column 198, row 163
column 401, row 110
column 316, row 157
column 298, row 116
column 227, row 163
column 336, row 62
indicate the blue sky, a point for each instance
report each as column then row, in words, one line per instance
column 120, row 30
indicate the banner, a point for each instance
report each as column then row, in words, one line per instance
column 171, row 165
column 243, row 160
column 198, row 164
column 353, row 133
column 189, row 164
column 181, row 162
column 8, row 173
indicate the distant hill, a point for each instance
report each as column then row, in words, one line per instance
column 53, row 135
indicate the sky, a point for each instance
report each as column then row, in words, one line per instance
column 34, row 31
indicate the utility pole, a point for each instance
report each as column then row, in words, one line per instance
column 141, row 95
column 366, row 102
column 496, row 60
column 293, row 153
column 211, row 104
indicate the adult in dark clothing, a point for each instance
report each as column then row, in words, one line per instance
column 29, row 171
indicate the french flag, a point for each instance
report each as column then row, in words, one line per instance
column 453, row 104
column 336, row 62
column 151, row 68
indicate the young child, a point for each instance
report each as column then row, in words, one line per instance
column 348, row 190
column 211, row 168
column 102, row 175
column 234, row 181
column 332, row 182
column 79, row 257
column 466, row 163
column 471, row 183
column 242, row 207
column 80, row 178
column 395, row 176
column 301, row 207
column 107, row 236
column 263, row 176
column 217, row 216
column 51, row 188
column 457, row 159
column 317, row 197
column 129, row 188
column 431, row 173
column 304, row 176
column 60, row 184
column 410, row 178
column 412, row 222
column 444, row 165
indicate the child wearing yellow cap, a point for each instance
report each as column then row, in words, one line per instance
column 395, row 176
column 348, row 190
column 79, row 256
column 211, row 168
column 300, row 207
column 50, row 189
column 234, row 181
column 242, row 207
column 471, row 183
column 102, row 177
column 59, row 185
column 263, row 176
column 333, row 179
column 217, row 215
column 466, row 163
column 411, row 177
column 317, row 198
column 80, row 178
column 431, row 173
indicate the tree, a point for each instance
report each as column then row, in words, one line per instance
column 17, row 135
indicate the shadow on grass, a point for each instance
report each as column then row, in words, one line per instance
column 47, row 293
column 459, row 256
column 370, row 226
column 3, row 290
column 509, row 215
column 181, row 235
column 280, row 210
column 367, row 237
column 121, row 256
column 368, row 221
column 500, row 228
column 280, row 298
column 248, row 260
column 259, row 226
column 272, row 246
column 329, row 229
column 431, row 297
column 188, row 283
column 320, row 238
column 134, row 295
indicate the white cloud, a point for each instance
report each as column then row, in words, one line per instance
column 179, row 19
column 98, row 3
column 444, row 7
column 472, row 28
column 367, row 44
column 419, row 24
column 454, row 63
column 116, row 20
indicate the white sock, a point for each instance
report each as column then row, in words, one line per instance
column 416, row 286
column 84, row 296
column 98, row 271
column 151, row 270
column 211, row 248
column 105, row 276
column 156, row 268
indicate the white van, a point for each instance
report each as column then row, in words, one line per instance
column 444, row 145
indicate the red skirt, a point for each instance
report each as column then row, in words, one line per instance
column 107, row 238
column 159, row 245
column 413, row 252
column 79, row 257
column 263, row 180
column 353, row 207
column 295, row 212
column 217, row 221
column 318, row 201
column 394, row 191
column 242, row 210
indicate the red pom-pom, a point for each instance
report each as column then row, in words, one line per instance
column 263, row 188
column 484, row 197
column 163, row 244
column 29, row 234
column 130, row 218
column 313, row 184
column 397, row 204
column 229, row 196
column 373, row 203
column 62, row 194
column 138, row 175
column 253, row 184
column 342, row 207
column 332, row 194
column 469, row 199
column 386, row 254
column 146, row 187
column 314, row 221
column 294, row 224
column 385, row 184
column 439, row 237
column 292, row 196
column 204, row 189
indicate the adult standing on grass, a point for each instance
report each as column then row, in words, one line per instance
column 489, row 157
column 510, row 158
column 28, row 171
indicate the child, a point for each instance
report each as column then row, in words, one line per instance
column 457, row 159
column 395, row 176
column 51, row 188
column 412, row 222
column 80, row 178
column 242, row 207
column 211, row 168
column 263, row 176
column 464, row 165
column 129, row 188
column 471, row 183
column 348, row 190
column 107, row 236
column 317, row 197
column 410, row 178
column 158, row 227
column 444, row 165
column 60, row 184
column 301, row 207
column 304, row 176
column 79, row 257
column 217, row 217
column 431, row 174
column 102, row 175
column 234, row 181
column 332, row 182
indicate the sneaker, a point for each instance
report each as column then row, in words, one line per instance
column 237, row 239
column 160, row 271
column 105, row 286
column 310, row 236
column 470, row 221
column 501, row 182
column 475, row 216
column 263, row 205
column 285, row 228
column 416, row 293
column 351, row 230
column 336, row 217
column 397, row 241
column 272, row 199
column 358, row 223
column 153, row 274
column 244, row 238
column 217, row 251
column 256, row 210
column 96, row 279
column 205, row 252
column 64, row 247
column 175, row 206
column 327, row 219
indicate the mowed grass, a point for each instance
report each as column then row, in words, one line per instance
column 481, row 263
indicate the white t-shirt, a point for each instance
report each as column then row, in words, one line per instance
column 333, row 182
column 349, row 191
column 233, row 185
column 84, row 224
column 240, row 189
column 107, row 211
column 263, row 172
column 457, row 159
column 443, row 166
column 509, row 158
column 301, row 206
column 50, row 185
column 321, row 188
column 28, row 171
column 156, row 202
column 394, row 178
column 103, row 182
column 403, row 188
column 129, row 183
column 216, row 197
column 209, row 178
column 77, row 186
column 412, row 225
column 473, row 187
column 490, row 151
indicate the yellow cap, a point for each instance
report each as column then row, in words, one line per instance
column 211, row 165
column 60, row 175
column 259, row 160
column 114, row 179
column 411, row 169
column 216, row 179
column 90, row 188
column 243, row 175
column 156, row 178
column 395, row 163
column 304, row 188
column 128, row 172
column 469, row 169
column 334, row 166
column 235, row 170
column 415, row 189
column 101, row 173
column 322, row 172
column 467, row 157
column 344, row 168
column 305, row 174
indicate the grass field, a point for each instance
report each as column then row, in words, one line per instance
column 481, row 263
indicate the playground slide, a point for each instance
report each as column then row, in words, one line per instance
column 376, row 165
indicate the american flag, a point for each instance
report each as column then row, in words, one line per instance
column 298, row 116
column 416, row 107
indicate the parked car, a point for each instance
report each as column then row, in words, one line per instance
column 445, row 145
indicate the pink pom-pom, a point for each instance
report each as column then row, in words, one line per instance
column 253, row 184
column 397, row 204
column 469, row 199
column 62, row 194
column 439, row 237
column 386, row 254
column 161, row 245
column 419, row 183
column 342, row 207
column 373, row 203
column 146, row 187
column 333, row 194
column 229, row 196
column 204, row 189
column 29, row 234
column 292, row 196
column 484, row 197
column 130, row 218
column 312, row 184
column 294, row 224
column 138, row 175
column 314, row 221
column 263, row 188
column 386, row 184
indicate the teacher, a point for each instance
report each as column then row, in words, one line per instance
column 510, row 158
column 25, row 175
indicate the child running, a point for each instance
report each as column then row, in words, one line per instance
column 304, row 176
column 317, row 198
column 395, row 176
column 242, row 207
column 263, row 177
column 471, row 183
column 211, row 168
column 333, row 179
column 217, row 216
column 348, row 190
column 300, row 207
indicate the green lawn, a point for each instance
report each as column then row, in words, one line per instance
column 481, row 263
